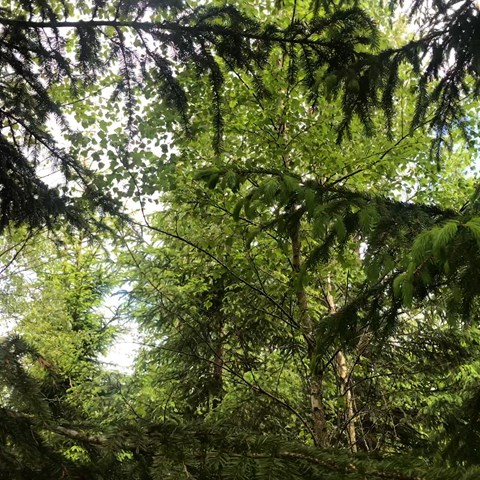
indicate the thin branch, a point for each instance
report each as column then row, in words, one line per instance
column 188, row 30
column 253, row 287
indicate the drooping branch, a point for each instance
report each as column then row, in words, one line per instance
column 264, row 35
column 48, row 426
column 340, row 463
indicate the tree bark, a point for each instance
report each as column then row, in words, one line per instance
column 305, row 320
column 343, row 376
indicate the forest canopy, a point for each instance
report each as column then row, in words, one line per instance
column 277, row 202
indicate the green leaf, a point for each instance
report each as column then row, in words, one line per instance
column 213, row 180
column 251, row 235
column 473, row 226
column 397, row 284
column 237, row 210
column 368, row 218
column 291, row 183
column 270, row 189
column 340, row 229
column 310, row 200
column 407, row 292
column 232, row 180
column 443, row 236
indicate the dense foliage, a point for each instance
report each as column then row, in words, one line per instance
column 278, row 200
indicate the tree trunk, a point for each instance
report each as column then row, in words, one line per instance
column 315, row 380
column 346, row 392
column 343, row 376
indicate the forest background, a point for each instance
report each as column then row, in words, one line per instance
column 303, row 264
